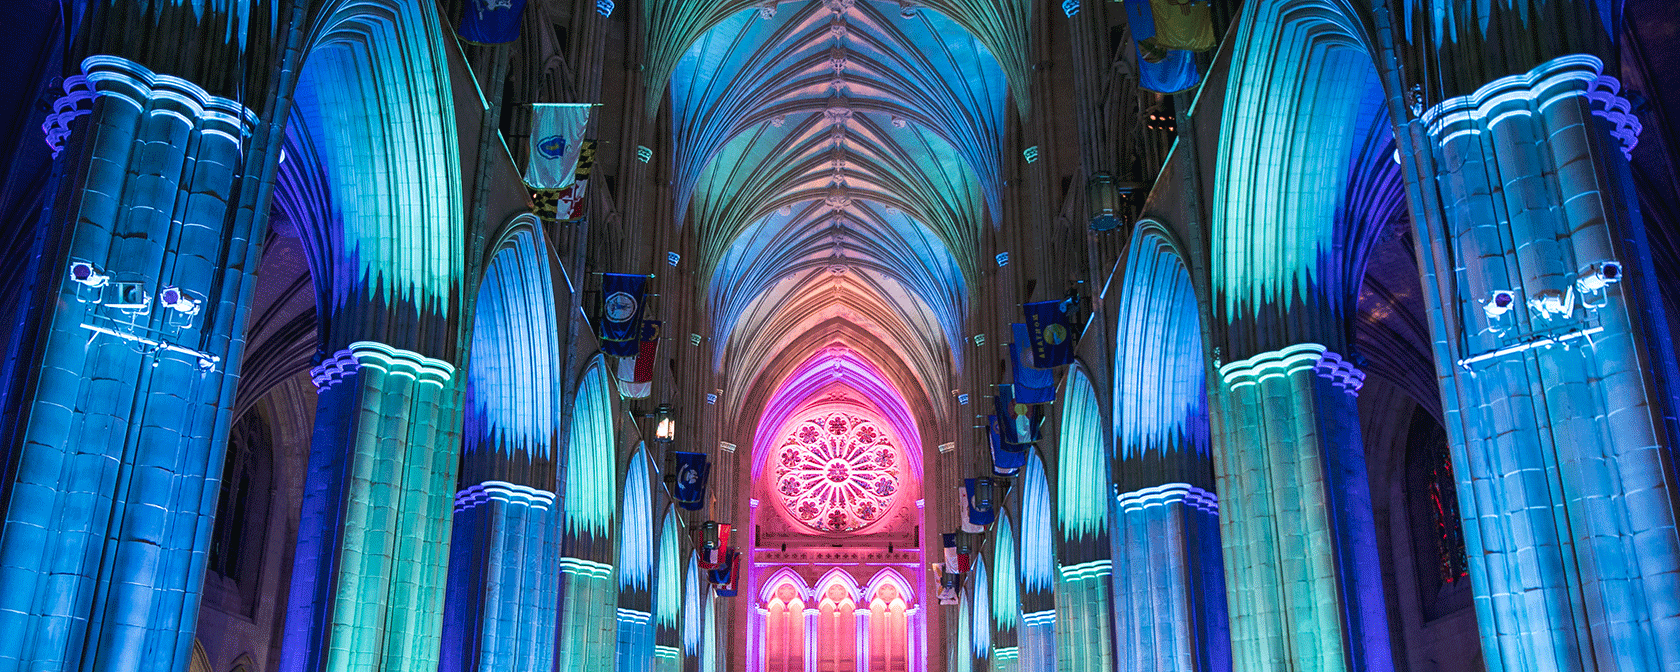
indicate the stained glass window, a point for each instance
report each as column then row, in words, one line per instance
column 837, row 473
column 1437, row 536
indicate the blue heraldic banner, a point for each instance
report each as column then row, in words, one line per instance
column 1007, row 459
column 1033, row 385
column 692, row 471
column 622, row 297
column 1160, row 69
column 1052, row 337
column 1017, row 422
column 980, row 510
column 491, row 21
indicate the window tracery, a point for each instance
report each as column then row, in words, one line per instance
column 837, row 473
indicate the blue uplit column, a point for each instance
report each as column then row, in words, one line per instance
column 373, row 543
column 1553, row 360
column 504, row 585
column 1169, row 574
column 1169, row 581
column 108, row 521
column 502, row 607
column 1302, row 576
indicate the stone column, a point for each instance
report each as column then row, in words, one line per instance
column 504, row 579
column 1303, row 583
column 1555, row 370
column 131, row 379
column 1169, row 581
column 373, row 544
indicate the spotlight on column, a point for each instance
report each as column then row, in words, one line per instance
column 83, row 273
column 1600, row 275
column 709, row 536
column 1502, row 301
column 1553, row 304
column 175, row 299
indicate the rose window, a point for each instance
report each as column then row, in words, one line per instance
column 837, row 473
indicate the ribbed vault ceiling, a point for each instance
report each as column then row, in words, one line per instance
column 838, row 161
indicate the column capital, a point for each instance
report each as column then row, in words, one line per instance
column 350, row 360
column 505, row 492
column 1320, row 360
column 125, row 80
column 1541, row 86
column 1160, row 495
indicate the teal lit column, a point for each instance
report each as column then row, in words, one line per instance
column 1036, row 636
column 127, row 401
column 373, row 543
column 667, row 595
column 1084, row 620
column 1553, row 360
column 588, row 589
column 1303, row 582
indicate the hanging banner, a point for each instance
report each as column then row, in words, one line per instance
column 1185, row 25
column 1007, row 459
column 956, row 560
column 635, row 374
column 1161, row 68
column 557, row 144
column 978, row 492
column 947, row 588
column 1032, row 385
column 1049, row 333
column 491, row 21
column 724, row 576
column 1017, row 422
column 622, row 297
column 713, row 558
column 968, row 525
column 692, row 471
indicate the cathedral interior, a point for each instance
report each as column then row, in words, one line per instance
column 839, row 335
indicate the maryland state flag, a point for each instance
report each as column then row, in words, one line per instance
column 569, row 202
column 1051, row 335
column 635, row 374
column 1164, row 40
column 560, row 159
column 1033, row 385
column 622, row 296
column 491, row 21
column 692, row 471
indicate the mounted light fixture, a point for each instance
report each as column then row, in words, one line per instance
column 1103, row 192
column 83, row 273
column 665, row 426
column 1600, row 275
column 175, row 299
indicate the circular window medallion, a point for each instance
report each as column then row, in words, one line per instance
column 837, row 473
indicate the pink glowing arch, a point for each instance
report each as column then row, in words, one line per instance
column 802, row 391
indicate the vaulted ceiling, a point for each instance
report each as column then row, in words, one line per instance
column 839, row 161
